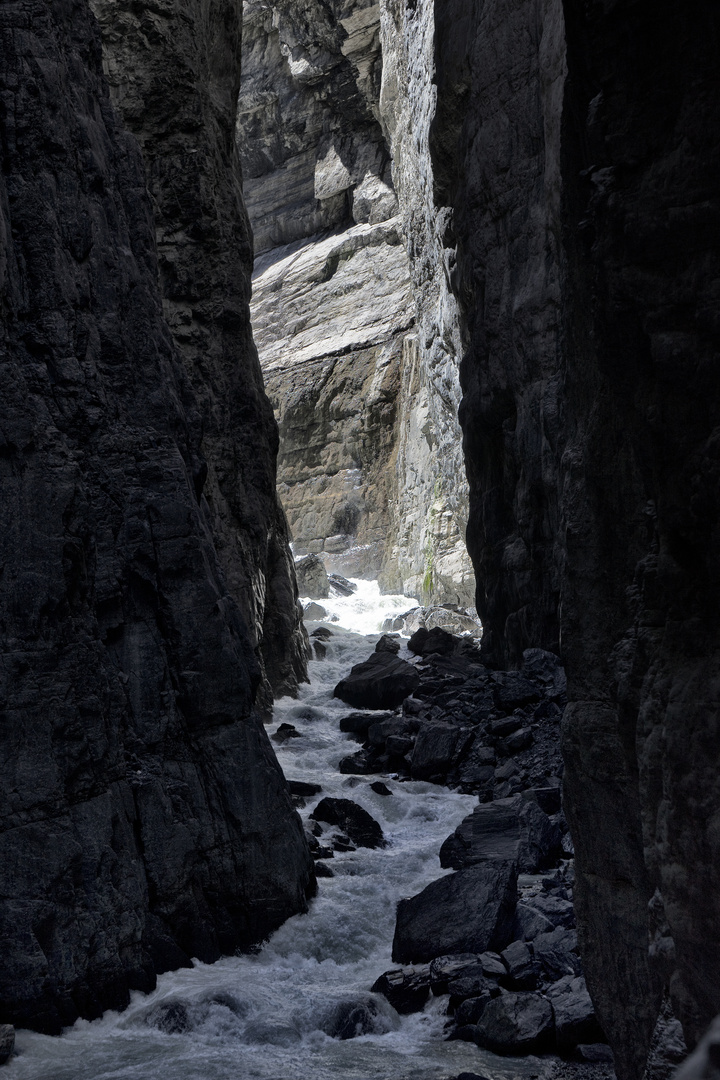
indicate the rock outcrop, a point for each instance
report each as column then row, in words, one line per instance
column 578, row 148
column 143, row 817
column 174, row 74
column 369, row 470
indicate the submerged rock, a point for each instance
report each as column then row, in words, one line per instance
column 360, row 827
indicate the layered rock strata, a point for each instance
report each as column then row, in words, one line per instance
column 369, row 462
column 578, row 147
column 174, row 73
column 143, row 817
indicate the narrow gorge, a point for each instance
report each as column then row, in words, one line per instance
column 422, row 296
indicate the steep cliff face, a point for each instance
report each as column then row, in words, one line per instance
column 584, row 176
column 369, row 463
column 143, row 816
column 174, row 72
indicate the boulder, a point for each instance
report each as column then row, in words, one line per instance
column 340, row 586
column 556, row 954
column 471, row 1009
column 322, row 633
column 407, row 989
column 312, row 578
column 388, row 644
column 437, row 748
column 319, row 650
column 545, row 668
column 360, row 827
column 513, row 828
column 513, row 690
column 445, row 968
column 313, row 612
column 522, row 967
column 424, row 642
column 358, row 723
column 7, row 1042
column 348, row 1019
column 575, row 1020
column 357, row 764
column 285, row 732
column 381, row 682
column 516, row 1024
column 301, row 787
column 529, row 922
column 556, row 909
column 469, row 911
column 379, row 788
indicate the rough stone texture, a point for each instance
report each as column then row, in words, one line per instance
column 588, row 273
column 363, row 475
column 143, row 816
column 174, row 72
column 432, row 489
column 469, row 911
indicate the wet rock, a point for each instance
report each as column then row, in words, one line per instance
column 171, row 1017
column 513, row 828
column 437, row 748
column 469, row 911
column 379, row 788
column 379, row 733
column 381, row 682
column 471, row 983
column 302, row 787
column 407, row 989
column 323, row 633
column 360, row 763
column 361, row 828
column 519, row 740
column 358, row 723
column 492, row 965
column 349, row 1019
column 545, row 668
column 314, row 612
column 469, row 1011
column 516, row 1024
column 7, row 1042
column 399, row 745
column 575, row 1020
column 596, row 1054
column 523, row 969
column 512, row 690
column 556, row 953
column 704, row 1062
column 530, row 922
column 425, row 642
column 556, row 909
column 445, row 968
column 285, row 732
column 319, row 650
column 312, row 578
column 323, row 871
column 340, row 586
column 388, row 644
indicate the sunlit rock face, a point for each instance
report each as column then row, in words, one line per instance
column 577, row 147
column 369, row 468
column 144, row 819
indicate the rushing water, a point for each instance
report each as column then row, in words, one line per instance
column 264, row 1016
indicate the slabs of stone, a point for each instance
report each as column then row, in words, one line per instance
column 469, row 911
column 361, row 828
column 516, row 1024
column 509, row 829
column 312, row 577
column 381, row 682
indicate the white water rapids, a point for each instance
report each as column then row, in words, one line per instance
column 262, row 1016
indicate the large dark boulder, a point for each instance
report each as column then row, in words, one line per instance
column 514, row 828
column 516, row 1024
column 381, row 682
column 575, row 1020
column 355, row 822
column 438, row 747
column 407, row 989
column 470, row 911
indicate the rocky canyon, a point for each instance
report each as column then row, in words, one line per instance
column 430, row 290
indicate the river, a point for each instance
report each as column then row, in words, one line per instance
column 263, row 1016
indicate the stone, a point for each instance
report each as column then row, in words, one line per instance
column 519, row 740
column 595, row 1053
column 380, row 788
column 558, row 911
column 516, row 1024
column 349, row 1019
column 314, row 612
column 546, row 668
column 323, row 871
column 147, row 815
column 425, row 642
column 407, row 989
column 470, row 1010
column 340, row 586
column 523, row 970
column 388, row 644
column 302, row 787
column 7, row 1042
column 575, row 1020
column 468, row 911
column 323, row 633
column 285, row 732
column 319, row 650
column 530, row 922
column 702, row 1064
column 437, row 748
column 445, row 968
column 381, row 682
column 513, row 828
column 358, row 723
column 312, row 577
column 361, row 827
column 556, row 952
column 357, row 764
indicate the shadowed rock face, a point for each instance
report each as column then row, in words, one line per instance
column 588, row 269
column 143, row 816
column 174, row 74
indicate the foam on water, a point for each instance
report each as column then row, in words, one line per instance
column 267, row 1016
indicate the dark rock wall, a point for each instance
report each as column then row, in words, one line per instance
column 588, row 269
column 174, row 73
column 143, row 816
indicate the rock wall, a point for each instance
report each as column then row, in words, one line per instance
column 174, row 74
column 577, row 145
column 369, row 449
column 143, row 817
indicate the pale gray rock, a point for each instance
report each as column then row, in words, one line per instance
column 312, row 577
